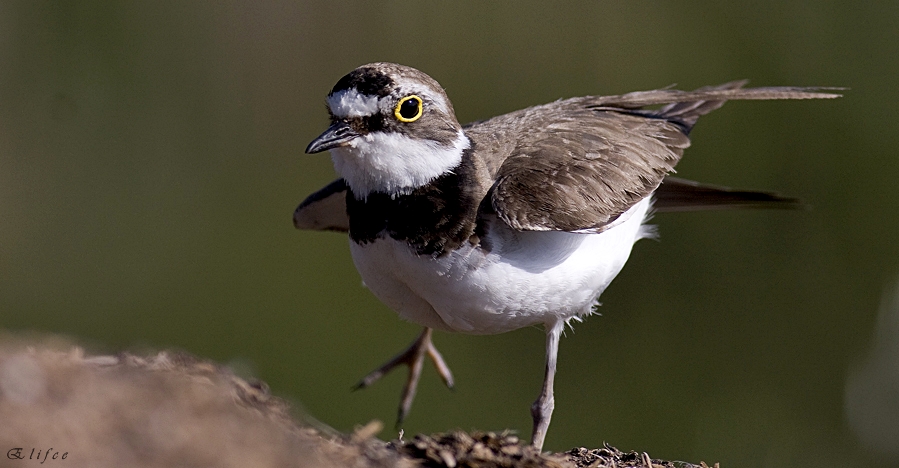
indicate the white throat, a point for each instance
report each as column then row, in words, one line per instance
column 393, row 163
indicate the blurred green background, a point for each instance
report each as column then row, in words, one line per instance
column 151, row 156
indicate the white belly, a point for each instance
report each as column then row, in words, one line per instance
column 527, row 278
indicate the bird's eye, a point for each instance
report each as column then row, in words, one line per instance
column 408, row 109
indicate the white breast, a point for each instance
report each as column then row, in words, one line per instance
column 527, row 278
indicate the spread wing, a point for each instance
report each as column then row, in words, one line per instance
column 324, row 210
column 595, row 157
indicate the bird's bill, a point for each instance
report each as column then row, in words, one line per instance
column 337, row 135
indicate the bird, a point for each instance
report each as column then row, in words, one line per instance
column 519, row 220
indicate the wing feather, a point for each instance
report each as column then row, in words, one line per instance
column 324, row 210
column 585, row 171
column 676, row 194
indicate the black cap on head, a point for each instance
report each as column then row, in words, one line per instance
column 365, row 80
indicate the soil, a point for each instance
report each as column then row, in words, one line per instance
column 173, row 409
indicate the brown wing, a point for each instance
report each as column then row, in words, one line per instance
column 592, row 158
column 584, row 170
column 324, row 210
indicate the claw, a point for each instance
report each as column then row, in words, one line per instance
column 413, row 356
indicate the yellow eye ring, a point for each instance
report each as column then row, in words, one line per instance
column 408, row 109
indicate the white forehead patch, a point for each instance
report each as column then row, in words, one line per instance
column 352, row 103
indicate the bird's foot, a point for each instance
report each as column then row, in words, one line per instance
column 414, row 357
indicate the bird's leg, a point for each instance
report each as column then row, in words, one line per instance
column 542, row 409
column 414, row 357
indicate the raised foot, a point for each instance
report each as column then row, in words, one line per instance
column 414, row 357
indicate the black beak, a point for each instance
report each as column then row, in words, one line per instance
column 338, row 134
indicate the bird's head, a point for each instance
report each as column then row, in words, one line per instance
column 392, row 130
